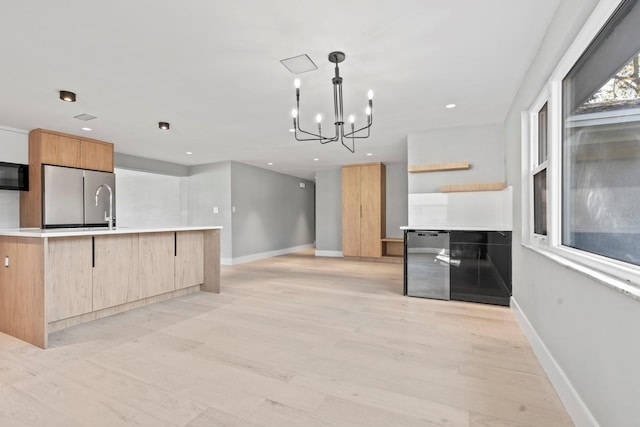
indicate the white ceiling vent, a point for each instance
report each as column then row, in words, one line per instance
column 85, row 117
column 299, row 64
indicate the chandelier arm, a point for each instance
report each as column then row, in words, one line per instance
column 352, row 148
column 359, row 130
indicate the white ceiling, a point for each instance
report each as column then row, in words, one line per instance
column 211, row 69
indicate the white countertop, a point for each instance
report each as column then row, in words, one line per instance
column 446, row 227
column 94, row 231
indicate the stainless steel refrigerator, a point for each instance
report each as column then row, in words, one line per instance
column 69, row 195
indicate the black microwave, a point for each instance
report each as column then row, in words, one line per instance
column 14, row 176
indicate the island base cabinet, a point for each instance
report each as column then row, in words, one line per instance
column 156, row 263
column 115, row 271
column 53, row 282
column 68, row 277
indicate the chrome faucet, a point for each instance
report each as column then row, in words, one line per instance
column 110, row 217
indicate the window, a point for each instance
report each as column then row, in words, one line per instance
column 601, row 143
column 581, row 192
column 540, row 175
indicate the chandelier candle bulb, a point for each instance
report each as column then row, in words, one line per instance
column 352, row 119
column 318, row 118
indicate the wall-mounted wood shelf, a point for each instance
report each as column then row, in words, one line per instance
column 488, row 186
column 437, row 167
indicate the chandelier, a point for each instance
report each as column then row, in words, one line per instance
column 339, row 132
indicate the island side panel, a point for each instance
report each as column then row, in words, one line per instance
column 22, row 311
column 211, row 261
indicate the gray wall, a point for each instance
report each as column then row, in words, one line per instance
column 14, row 148
column 590, row 330
column 209, row 186
column 482, row 146
column 397, row 202
column 126, row 161
column 329, row 206
column 329, row 211
column 272, row 212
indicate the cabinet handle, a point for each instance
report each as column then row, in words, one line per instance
column 175, row 243
column 93, row 251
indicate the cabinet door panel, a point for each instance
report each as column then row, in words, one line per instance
column 115, row 274
column 351, row 214
column 69, row 277
column 156, row 263
column 59, row 150
column 189, row 260
column 371, row 201
column 96, row 156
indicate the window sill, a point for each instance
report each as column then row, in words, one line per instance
column 600, row 277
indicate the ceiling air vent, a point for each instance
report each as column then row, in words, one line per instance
column 299, row 64
column 85, row 117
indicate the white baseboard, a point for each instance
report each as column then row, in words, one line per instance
column 262, row 255
column 337, row 254
column 576, row 408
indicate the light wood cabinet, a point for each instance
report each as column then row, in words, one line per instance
column 96, row 155
column 22, row 312
column 68, row 277
column 115, row 271
column 363, row 209
column 189, row 259
column 156, row 263
column 60, row 149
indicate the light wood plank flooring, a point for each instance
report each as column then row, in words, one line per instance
column 291, row 341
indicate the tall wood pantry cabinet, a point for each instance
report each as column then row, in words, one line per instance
column 363, row 209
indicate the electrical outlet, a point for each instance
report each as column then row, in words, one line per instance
column 215, row 210
column 233, row 209
column 6, row 261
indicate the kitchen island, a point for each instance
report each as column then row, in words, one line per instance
column 56, row 278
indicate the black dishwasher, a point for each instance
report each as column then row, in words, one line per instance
column 481, row 266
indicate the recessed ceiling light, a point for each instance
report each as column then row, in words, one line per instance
column 270, row 164
column 87, row 129
column 369, row 154
column 316, row 159
column 189, row 152
column 450, row 106
column 164, row 125
column 67, row 96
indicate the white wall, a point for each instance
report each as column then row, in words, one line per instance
column 146, row 199
column 591, row 332
column 14, row 148
column 482, row 146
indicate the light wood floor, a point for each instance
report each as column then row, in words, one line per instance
column 291, row 341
